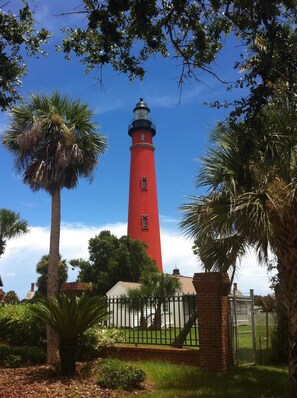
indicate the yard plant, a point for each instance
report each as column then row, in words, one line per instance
column 69, row 317
column 116, row 374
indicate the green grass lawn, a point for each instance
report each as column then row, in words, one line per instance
column 159, row 337
column 245, row 344
column 182, row 381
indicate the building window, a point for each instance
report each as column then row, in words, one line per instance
column 166, row 305
column 143, row 183
column 142, row 136
column 144, row 222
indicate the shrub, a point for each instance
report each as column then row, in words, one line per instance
column 110, row 337
column 5, row 350
column 27, row 329
column 5, row 327
column 95, row 338
column 115, row 374
column 31, row 355
column 13, row 361
column 87, row 345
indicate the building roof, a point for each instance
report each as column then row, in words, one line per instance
column 121, row 286
column 187, row 284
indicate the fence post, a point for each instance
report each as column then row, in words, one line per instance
column 253, row 326
column 215, row 348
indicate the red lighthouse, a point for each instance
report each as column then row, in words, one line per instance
column 143, row 216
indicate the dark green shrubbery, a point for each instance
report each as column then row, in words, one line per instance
column 28, row 355
column 13, row 361
column 6, row 324
column 27, row 330
column 87, row 345
column 115, row 374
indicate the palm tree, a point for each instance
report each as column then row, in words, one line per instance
column 251, row 175
column 158, row 286
column 136, row 302
column 70, row 317
column 154, row 288
column 220, row 254
column 11, row 225
column 54, row 142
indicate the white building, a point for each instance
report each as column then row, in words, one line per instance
column 133, row 313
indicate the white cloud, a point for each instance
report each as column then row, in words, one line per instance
column 110, row 106
column 18, row 264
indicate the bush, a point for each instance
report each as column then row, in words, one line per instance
column 110, row 337
column 5, row 326
column 115, row 374
column 27, row 330
column 87, row 345
column 30, row 355
column 13, row 361
column 95, row 338
column 5, row 350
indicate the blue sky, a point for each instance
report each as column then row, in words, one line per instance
column 183, row 124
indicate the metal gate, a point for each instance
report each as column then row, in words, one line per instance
column 243, row 335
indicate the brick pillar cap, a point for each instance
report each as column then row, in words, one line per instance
column 205, row 281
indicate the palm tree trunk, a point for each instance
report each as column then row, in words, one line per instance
column 54, row 252
column 292, row 316
column 157, row 323
column 181, row 338
column 52, row 283
column 142, row 321
column 287, row 268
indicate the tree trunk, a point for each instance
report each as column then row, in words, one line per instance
column 287, row 269
column 68, row 350
column 142, row 321
column 53, row 275
column 292, row 316
column 180, row 339
column 157, row 323
column 289, row 292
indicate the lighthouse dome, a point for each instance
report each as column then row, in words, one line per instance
column 141, row 105
column 142, row 118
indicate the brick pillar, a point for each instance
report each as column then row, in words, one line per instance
column 73, row 289
column 213, row 320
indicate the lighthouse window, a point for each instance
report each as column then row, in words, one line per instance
column 142, row 136
column 143, row 183
column 144, row 222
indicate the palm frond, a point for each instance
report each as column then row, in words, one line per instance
column 70, row 316
column 54, row 141
column 220, row 254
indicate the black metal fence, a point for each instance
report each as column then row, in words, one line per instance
column 155, row 320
